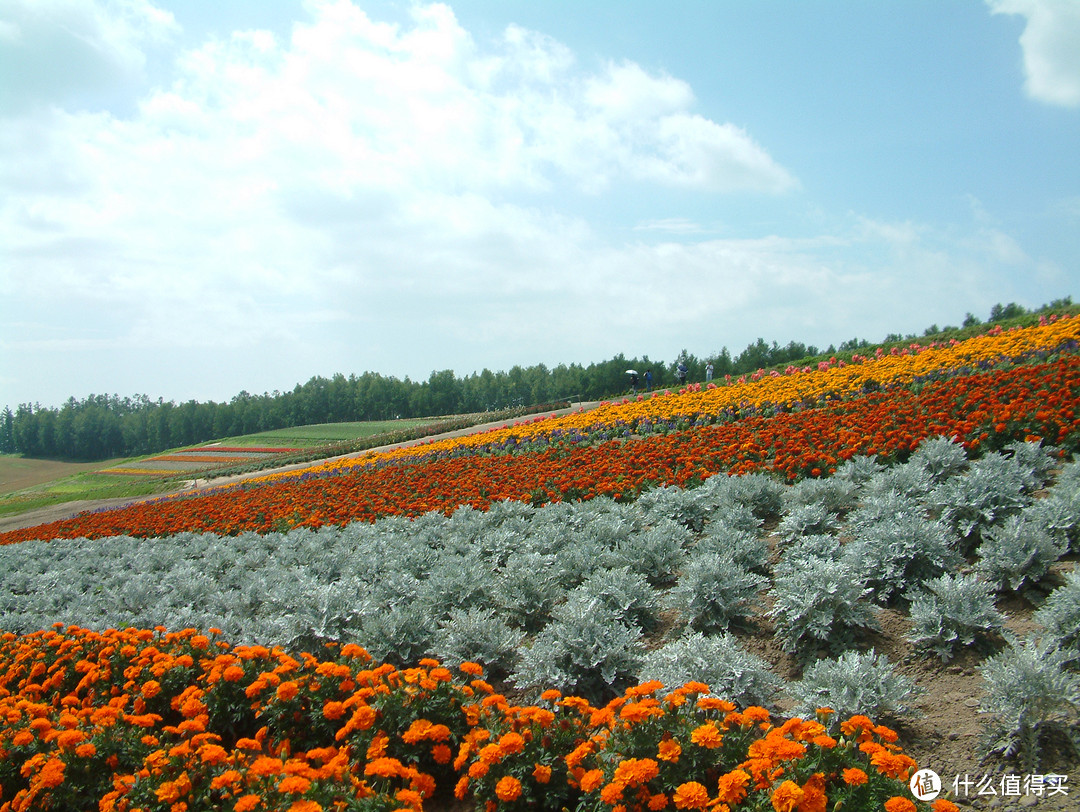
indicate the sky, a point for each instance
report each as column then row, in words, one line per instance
column 203, row 197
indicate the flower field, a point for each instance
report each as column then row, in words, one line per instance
column 987, row 391
column 154, row 720
column 531, row 596
column 197, row 460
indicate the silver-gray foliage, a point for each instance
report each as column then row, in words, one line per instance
column 731, row 672
column 1060, row 615
column 715, row 591
column 822, row 600
column 586, row 650
column 951, row 612
column 854, row 683
column 900, row 551
column 1017, row 553
column 1031, row 699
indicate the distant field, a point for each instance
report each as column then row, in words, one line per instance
column 326, row 433
column 17, row 473
column 26, row 484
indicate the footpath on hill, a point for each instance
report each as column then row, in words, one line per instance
column 67, row 510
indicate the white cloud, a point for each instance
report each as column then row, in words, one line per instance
column 75, row 52
column 1051, row 46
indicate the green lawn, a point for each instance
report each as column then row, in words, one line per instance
column 325, row 433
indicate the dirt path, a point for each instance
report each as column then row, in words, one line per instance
column 67, row 510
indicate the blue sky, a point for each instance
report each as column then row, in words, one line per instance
column 199, row 198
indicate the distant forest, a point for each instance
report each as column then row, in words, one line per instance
column 105, row 426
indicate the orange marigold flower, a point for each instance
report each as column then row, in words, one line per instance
column 441, row 753
column 52, row 774
column 22, row 738
column 472, row 669
column 333, row 710
column 887, row 734
column 265, row 765
column 511, row 743
column 669, row 750
column 542, row 773
column 636, row 771
column 551, row 695
column 756, row 714
column 508, row 789
column 233, row 673
column 945, row 805
column 151, row 688
column 825, row 742
column 731, row 787
column 384, row 768
column 658, row 801
column 478, row 769
column 461, row 788
column 691, row 795
column 898, row 804
column 854, row 777
column 707, row 735
column 856, row 723
column 591, row 780
column 226, row 779
column 612, row 793
column 287, row 690
column 87, row 750
column 787, row 797
column 293, row 784
column 894, row 765
column 305, row 806
column 814, row 799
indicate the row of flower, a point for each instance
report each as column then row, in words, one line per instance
column 983, row 410
column 149, row 720
column 760, row 394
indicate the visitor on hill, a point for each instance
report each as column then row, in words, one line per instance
column 633, row 382
column 680, row 373
column 648, row 380
column 708, row 371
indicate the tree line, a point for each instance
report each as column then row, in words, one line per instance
column 106, row 426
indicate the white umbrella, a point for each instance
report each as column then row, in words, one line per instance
column 631, row 372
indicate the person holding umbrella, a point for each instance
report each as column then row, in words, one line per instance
column 633, row 380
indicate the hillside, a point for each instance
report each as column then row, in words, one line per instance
column 880, row 535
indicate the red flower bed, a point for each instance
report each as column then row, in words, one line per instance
column 981, row 409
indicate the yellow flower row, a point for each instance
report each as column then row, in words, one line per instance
column 807, row 385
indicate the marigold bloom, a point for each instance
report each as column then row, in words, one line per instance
column 669, row 750
column 707, row 736
column 731, row 788
column 511, row 743
column 691, row 795
column 87, row 750
column 612, row 793
column 384, row 768
column 945, row 805
column 591, row 780
column 441, row 753
column 787, row 797
column 542, row 773
column 898, row 804
column 636, row 771
column 247, row 803
column 854, row 777
column 305, row 806
column 508, row 789
column 233, row 673
column 287, row 690
column 461, row 788
column 293, row 784
column 658, row 801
